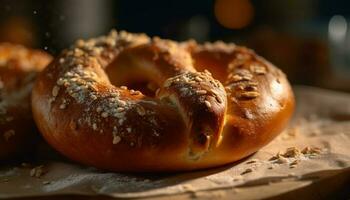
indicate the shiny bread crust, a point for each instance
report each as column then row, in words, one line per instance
column 213, row 104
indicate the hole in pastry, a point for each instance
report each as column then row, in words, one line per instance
column 147, row 88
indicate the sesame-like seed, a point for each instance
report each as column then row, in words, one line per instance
column 207, row 72
column 94, row 126
column 78, row 52
column 55, row 90
column 207, row 103
column 137, row 93
column 122, row 103
column 133, row 92
column 128, row 129
column 93, row 97
column 197, row 78
column 201, row 92
column 140, row 110
column 80, row 43
column 61, row 60
column 218, row 99
column 60, row 81
column 98, row 109
column 249, row 95
column 123, row 87
column 236, row 78
column 62, row 106
column 247, row 77
column 104, row 114
column 258, row 69
column 116, row 139
column 96, row 51
column 120, row 109
column 51, row 100
column 250, row 88
column 157, row 91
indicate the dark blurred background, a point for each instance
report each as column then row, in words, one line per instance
column 309, row 40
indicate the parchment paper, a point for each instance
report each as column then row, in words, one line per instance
column 322, row 121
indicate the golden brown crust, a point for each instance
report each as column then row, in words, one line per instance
column 194, row 120
column 18, row 69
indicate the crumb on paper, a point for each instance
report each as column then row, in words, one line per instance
column 291, row 152
column 188, row 188
column 311, row 150
column 8, row 134
column 281, row 160
column 292, row 174
column 46, row 182
column 237, row 178
column 294, row 163
column 290, row 133
column 252, row 161
column 293, row 156
column 38, row 171
column 248, row 170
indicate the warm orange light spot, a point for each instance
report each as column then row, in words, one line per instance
column 17, row 30
column 234, row 14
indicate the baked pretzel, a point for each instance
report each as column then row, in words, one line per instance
column 197, row 106
column 18, row 69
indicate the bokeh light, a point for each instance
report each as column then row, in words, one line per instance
column 234, row 14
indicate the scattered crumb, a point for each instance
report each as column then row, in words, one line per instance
column 311, row 150
column 188, row 188
column 116, row 139
column 8, row 134
column 207, row 103
column 252, row 161
column 46, row 182
column 291, row 152
column 248, row 170
column 293, row 156
column 237, row 178
column 294, row 163
column 38, row 171
column 291, row 174
column 281, row 160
